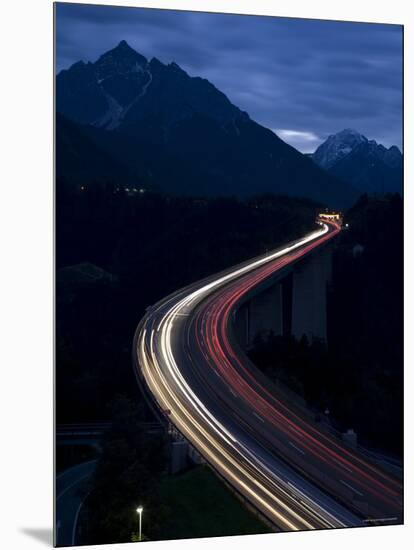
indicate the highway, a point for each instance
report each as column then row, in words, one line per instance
column 71, row 491
column 263, row 443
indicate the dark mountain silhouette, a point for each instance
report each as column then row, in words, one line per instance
column 180, row 132
column 366, row 165
column 80, row 159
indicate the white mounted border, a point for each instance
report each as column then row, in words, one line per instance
column 27, row 272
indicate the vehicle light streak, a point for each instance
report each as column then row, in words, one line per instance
column 173, row 376
column 222, row 351
column 192, row 429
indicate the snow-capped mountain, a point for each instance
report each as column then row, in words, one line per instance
column 367, row 165
column 336, row 147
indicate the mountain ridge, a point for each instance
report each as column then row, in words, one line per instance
column 367, row 165
column 183, row 132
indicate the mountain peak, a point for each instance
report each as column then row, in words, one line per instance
column 366, row 164
column 394, row 149
column 348, row 131
column 393, row 157
column 124, row 48
column 177, row 129
column 350, row 136
column 337, row 146
column 121, row 60
column 122, row 53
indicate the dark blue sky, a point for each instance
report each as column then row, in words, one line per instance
column 304, row 79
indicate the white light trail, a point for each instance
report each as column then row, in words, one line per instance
column 197, row 423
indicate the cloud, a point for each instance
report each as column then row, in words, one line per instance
column 305, row 141
column 306, row 76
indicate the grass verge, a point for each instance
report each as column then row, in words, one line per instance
column 198, row 504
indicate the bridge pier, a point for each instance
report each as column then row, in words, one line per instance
column 242, row 325
column 295, row 304
column 309, row 297
column 266, row 312
column 270, row 309
column 179, row 453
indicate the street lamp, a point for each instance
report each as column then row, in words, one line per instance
column 139, row 512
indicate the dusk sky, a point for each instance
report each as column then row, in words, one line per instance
column 303, row 79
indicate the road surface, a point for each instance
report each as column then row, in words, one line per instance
column 71, row 491
column 264, row 444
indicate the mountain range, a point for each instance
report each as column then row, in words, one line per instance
column 124, row 118
column 368, row 166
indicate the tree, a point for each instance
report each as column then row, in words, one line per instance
column 127, row 475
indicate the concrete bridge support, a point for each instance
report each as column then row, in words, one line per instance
column 178, row 457
column 261, row 313
column 241, row 325
column 295, row 304
column 266, row 312
column 309, row 296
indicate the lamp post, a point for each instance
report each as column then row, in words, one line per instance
column 139, row 512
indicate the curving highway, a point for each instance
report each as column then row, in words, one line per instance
column 265, row 445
